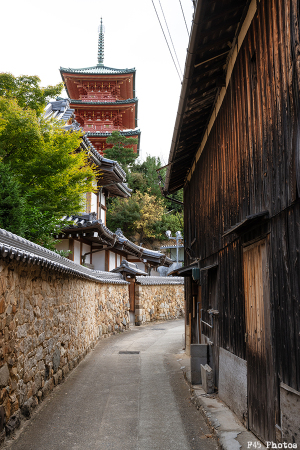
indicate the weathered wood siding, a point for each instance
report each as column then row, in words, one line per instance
column 250, row 164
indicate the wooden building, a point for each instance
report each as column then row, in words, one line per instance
column 236, row 152
column 103, row 99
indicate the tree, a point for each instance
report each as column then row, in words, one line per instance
column 146, row 174
column 151, row 212
column 12, row 204
column 130, row 214
column 136, row 214
column 122, row 150
column 27, row 92
column 44, row 159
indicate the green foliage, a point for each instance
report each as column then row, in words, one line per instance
column 27, row 92
column 132, row 215
column 40, row 227
column 146, row 173
column 122, row 150
column 122, row 213
column 11, row 202
column 43, row 176
column 43, row 158
column 17, row 216
column 172, row 222
column 136, row 214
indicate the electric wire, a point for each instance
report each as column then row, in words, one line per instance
column 184, row 19
column 170, row 38
column 165, row 39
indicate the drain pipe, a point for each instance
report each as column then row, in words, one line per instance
column 198, row 331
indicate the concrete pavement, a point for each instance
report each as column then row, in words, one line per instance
column 128, row 393
column 230, row 432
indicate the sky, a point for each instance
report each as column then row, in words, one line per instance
column 39, row 37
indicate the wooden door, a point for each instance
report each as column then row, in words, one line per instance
column 132, row 295
column 260, row 371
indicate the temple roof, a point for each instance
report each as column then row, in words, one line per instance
column 112, row 176
column 97, row 70
column 105, row 134
column 129, row 268
column 94, row 231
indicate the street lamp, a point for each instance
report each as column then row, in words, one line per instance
column 177, row 237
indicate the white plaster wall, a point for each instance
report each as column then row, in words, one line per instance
column 118, row 259
column 140, row 265
column 99, row 260
column 94, row 203
column 86, row 249
column 63, row 245
column 77, row 257
column 112, row 261
column 103, row 199
column 103, row 215
column 233, row 382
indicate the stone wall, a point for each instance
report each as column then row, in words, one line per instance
column 158, row 299
column 48, row 322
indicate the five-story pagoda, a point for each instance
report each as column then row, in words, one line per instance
column 103, row 99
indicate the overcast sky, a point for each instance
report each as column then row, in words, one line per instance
column 39, row 37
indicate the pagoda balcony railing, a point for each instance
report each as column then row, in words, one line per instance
column 102, row 128
column 101, row 98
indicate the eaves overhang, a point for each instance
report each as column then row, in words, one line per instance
column 212, row 40
column 94, row 231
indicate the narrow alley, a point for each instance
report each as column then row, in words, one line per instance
column 128, row 393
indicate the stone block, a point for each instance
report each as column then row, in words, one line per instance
column 48, row 386
column 2, row 436
column 4, row 376
column 207, row 376
column 198, row 356
column 12, row 424
column 2, row 418
column 56, row 359
column 26, row 408
column 65, row 370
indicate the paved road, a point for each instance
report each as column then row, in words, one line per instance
column 113, row 401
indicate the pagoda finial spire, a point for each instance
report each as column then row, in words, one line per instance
column 101, row 44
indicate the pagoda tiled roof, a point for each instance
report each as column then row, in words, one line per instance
column 108, row 133
column 97, row 70
column 116, row 102
column 113, row 177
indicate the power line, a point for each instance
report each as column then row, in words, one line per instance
column 170, row 37
column 166, row 40
column 184, row 19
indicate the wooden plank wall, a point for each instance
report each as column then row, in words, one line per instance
column 249, row 165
